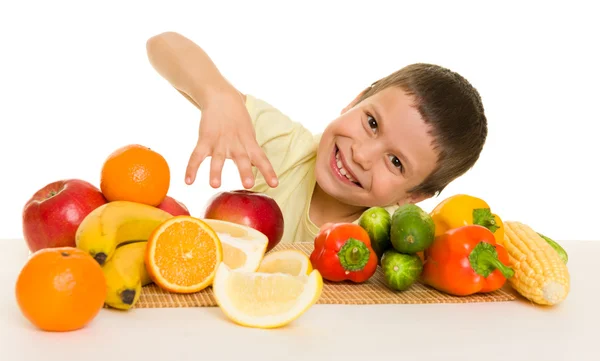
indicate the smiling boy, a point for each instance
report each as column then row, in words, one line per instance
column 401, row 140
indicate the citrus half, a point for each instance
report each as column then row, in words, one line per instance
column 243, row 246
column 182, row 255
column 288, row 261
column 265, row 300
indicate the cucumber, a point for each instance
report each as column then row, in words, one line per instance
column 561, row 252
column 412, row 229
column 376, row 221
column 400, row 270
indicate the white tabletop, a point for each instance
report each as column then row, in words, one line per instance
column 513, row 330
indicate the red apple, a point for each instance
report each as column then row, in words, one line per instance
column 176, row 208
column 52, row 215
column 253, row 209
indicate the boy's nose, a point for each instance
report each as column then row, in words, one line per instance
column 362, row 154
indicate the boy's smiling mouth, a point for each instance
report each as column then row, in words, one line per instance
column 341, row 169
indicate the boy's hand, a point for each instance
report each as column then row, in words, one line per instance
column 226, row 132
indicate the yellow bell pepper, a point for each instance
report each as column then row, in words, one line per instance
column 461, row 210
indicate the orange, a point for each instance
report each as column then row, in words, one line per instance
column 182, row 255
column 135, row 173
column 60, row 289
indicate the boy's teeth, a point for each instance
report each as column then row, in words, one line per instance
column 343, row 171
column 341, row 168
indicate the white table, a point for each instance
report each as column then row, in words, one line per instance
column 513, row 330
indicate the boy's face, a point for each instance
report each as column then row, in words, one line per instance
column 376, row 151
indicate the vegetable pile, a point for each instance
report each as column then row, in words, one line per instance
column 459, row 248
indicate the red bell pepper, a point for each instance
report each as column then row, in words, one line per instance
column 466, row 260
column 343, row 252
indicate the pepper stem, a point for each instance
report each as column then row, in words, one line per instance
column 484, row 217
column 354, row 255
column 484, row 260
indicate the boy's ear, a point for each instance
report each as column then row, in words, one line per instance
column 355, row 100
column 417, row 198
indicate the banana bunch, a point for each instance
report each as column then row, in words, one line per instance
column 115, row 223
column 116, row 234
column 125, row 275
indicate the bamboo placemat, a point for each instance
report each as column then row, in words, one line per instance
column 374, row 291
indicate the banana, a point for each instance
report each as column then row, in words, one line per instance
column 125, row 275
column 116, row 223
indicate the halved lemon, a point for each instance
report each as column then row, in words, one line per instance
column 265, row 300
column 243, row 246
column 288, row 261
column 182, row 255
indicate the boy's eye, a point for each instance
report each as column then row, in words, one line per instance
column 396, row 162
column 372, row 122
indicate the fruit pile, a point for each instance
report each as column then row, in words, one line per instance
column 460, row 248
column 94, row 247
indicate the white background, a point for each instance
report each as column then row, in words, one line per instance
column 75, row 84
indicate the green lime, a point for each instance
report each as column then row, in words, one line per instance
column 412, row 229
column 400, row 270
column 376, row 221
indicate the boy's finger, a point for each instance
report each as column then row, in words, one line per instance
column 216, row 166
column 245, row 167
column 196, row 158
column 260, row 160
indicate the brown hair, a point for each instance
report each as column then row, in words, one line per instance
column 453, row 109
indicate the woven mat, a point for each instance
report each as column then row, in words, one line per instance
column 374, row 291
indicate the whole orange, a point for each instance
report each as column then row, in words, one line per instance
column 135, row 173
column 60, row 289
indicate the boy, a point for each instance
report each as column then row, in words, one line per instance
column 401, row 140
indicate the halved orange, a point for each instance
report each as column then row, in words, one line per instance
column 183, row 254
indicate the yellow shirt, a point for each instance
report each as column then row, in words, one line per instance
column 292, row 151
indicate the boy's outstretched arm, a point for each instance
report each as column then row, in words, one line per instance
column 186, row 66
column 226, row 129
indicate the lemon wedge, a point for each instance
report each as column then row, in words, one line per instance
column 288, row 261
column 243, row 246
column 265, row 300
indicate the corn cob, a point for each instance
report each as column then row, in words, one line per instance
column 540, row 274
